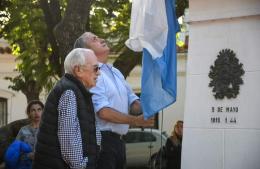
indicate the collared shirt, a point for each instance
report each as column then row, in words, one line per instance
column 69, row 132
column 112, row 91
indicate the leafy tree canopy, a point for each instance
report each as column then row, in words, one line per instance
column 42, row 32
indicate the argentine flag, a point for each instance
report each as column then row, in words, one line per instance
column 153, row 30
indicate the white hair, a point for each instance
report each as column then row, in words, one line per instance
column 77, row 57
column 81, row 42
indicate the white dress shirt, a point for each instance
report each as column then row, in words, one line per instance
column 112, row 91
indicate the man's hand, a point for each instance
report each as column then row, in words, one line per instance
column 141, row 122
column 112, row 115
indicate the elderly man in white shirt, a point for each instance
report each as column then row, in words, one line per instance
column 112, row 99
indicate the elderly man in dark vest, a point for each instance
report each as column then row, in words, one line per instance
column 112, row 99
column 68, row 137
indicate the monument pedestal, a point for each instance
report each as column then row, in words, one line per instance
column 222, row 133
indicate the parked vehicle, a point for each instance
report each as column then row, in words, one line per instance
column 141, row 144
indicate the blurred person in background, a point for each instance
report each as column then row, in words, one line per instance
column 20, row 153
column 173, row 147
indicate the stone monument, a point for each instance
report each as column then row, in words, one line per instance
column 222, row 103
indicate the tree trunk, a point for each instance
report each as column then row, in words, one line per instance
column 52, row 15
column 32, row 96
column 32, row 90
column 71, row 26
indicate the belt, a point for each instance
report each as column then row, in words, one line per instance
column 111, row 134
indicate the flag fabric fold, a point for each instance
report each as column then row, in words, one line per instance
column 148, row 27
column 159, row 74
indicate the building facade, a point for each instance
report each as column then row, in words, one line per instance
column 12, row 103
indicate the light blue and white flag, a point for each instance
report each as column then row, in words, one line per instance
column 155, row 33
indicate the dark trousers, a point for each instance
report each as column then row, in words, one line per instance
column 112, row 155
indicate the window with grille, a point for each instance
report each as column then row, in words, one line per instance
column 3, row 111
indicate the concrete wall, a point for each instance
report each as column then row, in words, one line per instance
column 216, row 25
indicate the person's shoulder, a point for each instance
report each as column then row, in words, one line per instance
column 118, row 72
column 67, row 97
column 68, row 92
column 26, row 128
column 169, row 141
column 24, row 131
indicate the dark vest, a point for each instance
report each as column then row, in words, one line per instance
column 48, row 153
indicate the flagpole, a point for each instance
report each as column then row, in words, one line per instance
column 161, row 139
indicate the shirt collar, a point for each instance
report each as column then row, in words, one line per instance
column 105, row 64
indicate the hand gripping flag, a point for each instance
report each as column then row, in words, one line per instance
column 154, row 32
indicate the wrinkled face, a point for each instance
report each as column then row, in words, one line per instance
column 35, row 113
column 99, row 46
column 89, row 72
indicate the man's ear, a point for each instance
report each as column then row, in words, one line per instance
column 77, row 70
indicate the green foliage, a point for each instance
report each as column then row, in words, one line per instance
column 4, row 4
column 26, row 32
column 113, row 16
column 111, row 19
column 29, row 30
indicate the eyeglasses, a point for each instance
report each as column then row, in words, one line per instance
column 96, row 68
